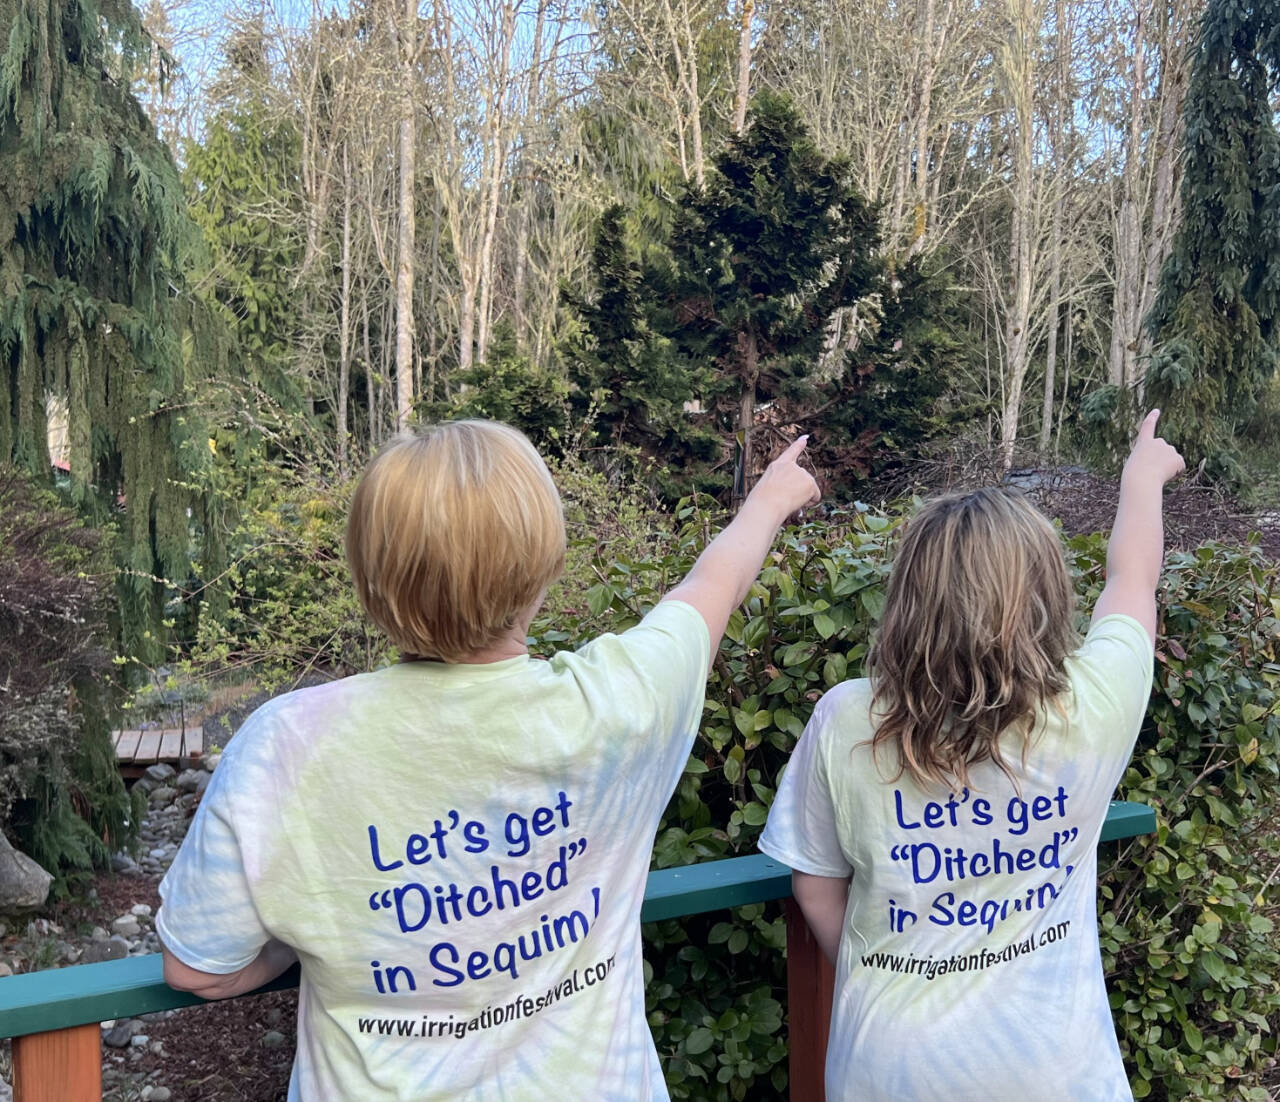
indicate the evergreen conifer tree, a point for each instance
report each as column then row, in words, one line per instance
column 94, row 308
column 777, row 241
column 242, row 179
column 733, row 305
column 1214, row 321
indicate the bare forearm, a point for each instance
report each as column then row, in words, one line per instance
column 274, row 959
column 823, row 900
column 732, row 560
column 1136, row 549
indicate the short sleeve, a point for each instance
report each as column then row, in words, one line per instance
column 1114, row 668
column 801, row 830
column 654, row 674
column 207, row 918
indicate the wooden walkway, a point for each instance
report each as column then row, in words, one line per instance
column 148, row 747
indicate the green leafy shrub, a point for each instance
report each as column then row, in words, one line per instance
column 1187, row 937
column 284, row 610
column 61, row 796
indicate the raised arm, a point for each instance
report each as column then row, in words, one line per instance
column 1136, row 550
column 724, row 572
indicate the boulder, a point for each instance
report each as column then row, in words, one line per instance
column 113, row 948
column 24, row 885
column 160, row 773
column 192, row 780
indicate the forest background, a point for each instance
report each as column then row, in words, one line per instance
column 241, row 246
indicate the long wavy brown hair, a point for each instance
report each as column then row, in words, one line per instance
column 977, row 623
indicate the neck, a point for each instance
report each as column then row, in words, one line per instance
column 511, row 645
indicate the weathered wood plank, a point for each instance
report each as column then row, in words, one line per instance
column 171, row 745
column 127, row 744
column 148, row 747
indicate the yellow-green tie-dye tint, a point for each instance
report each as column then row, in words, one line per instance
column 969, row 966
column 458, row 854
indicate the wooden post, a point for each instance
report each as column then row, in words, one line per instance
column 63, row 1065
column 811, row 984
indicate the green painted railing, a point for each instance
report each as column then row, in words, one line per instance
column 57, row 1007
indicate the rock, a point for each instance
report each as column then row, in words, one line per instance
column 122, row 862
column 159, row 773
column 5, row 969
column 274, row 1015
column 163, row 795
column 160, row 1094
column 141, row 910
column 120, row 1036
column 24, row 885
column 273, row 1038
column 140, row 1040
column 126, row 926
column 211, row 762
column 186, row 781
column 99, row 934
column 115, row 948
column 157, row 853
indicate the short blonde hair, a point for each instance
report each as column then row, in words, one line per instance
column 977, row 624
column 455, row 531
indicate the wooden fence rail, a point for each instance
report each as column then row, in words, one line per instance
column 54, row 1016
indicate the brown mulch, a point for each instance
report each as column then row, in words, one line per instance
column 211, row 1053
column 1194, row 510
column 215, row 1052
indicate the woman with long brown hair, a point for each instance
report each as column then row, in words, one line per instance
column 942, row 815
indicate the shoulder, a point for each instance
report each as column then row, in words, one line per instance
column 298, row 714
column 1116, row 649
column 845, row 707
column 670, row 637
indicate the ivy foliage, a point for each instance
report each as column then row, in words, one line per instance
column 61, row 797
column 1191, row 953
column 1189, row 946
column 94, row 252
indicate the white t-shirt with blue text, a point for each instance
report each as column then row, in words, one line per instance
column 969, row 967
column 458, row 854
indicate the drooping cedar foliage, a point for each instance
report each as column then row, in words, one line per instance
column 94, row 309
column 1214, row 321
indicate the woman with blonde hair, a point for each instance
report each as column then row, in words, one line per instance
column 456, row 847
column 942, row 816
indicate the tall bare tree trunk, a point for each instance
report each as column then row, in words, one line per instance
column 744, row 67
column 749, row 351
column 520, row 279
column 1126, row 317
column 344, row 333
column 1021, row 70
column 1055, row 233
column 408, row 39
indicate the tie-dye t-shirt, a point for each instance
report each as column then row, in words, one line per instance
column 458, row 854
column 969, row 967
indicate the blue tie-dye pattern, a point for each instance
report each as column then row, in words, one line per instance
column 280, row 848
column 1037, row 1026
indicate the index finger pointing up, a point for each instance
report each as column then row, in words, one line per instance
column 1147, row 430
column 795, row 448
